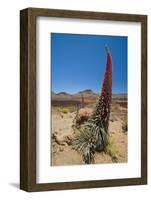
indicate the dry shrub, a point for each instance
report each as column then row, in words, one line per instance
column 64, row 110
column 112, row 150
column 125, row 125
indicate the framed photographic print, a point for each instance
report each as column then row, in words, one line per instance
column 83, row 99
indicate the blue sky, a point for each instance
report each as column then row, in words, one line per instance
column 78, row 62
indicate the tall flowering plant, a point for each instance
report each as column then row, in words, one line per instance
column 93, row 135
column 103, row 106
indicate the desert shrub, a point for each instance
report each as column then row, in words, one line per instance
column 124, row 125
column 64, row 110
column 112, row 150
column 82, row 116
column 81, row 120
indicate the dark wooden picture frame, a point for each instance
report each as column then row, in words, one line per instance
column 28, row 99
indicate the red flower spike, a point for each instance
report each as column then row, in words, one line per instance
column 103, row 107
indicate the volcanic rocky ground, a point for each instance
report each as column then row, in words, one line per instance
column 62, row 128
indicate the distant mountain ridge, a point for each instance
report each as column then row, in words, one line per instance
column 63, row 93
column 87, row 93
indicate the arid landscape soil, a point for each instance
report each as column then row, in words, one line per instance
column 63, row 114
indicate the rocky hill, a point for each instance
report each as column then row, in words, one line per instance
column 88, row 93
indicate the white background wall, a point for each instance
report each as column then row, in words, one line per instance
column 9, row 98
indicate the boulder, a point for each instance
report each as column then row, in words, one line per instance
column 62, row 139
